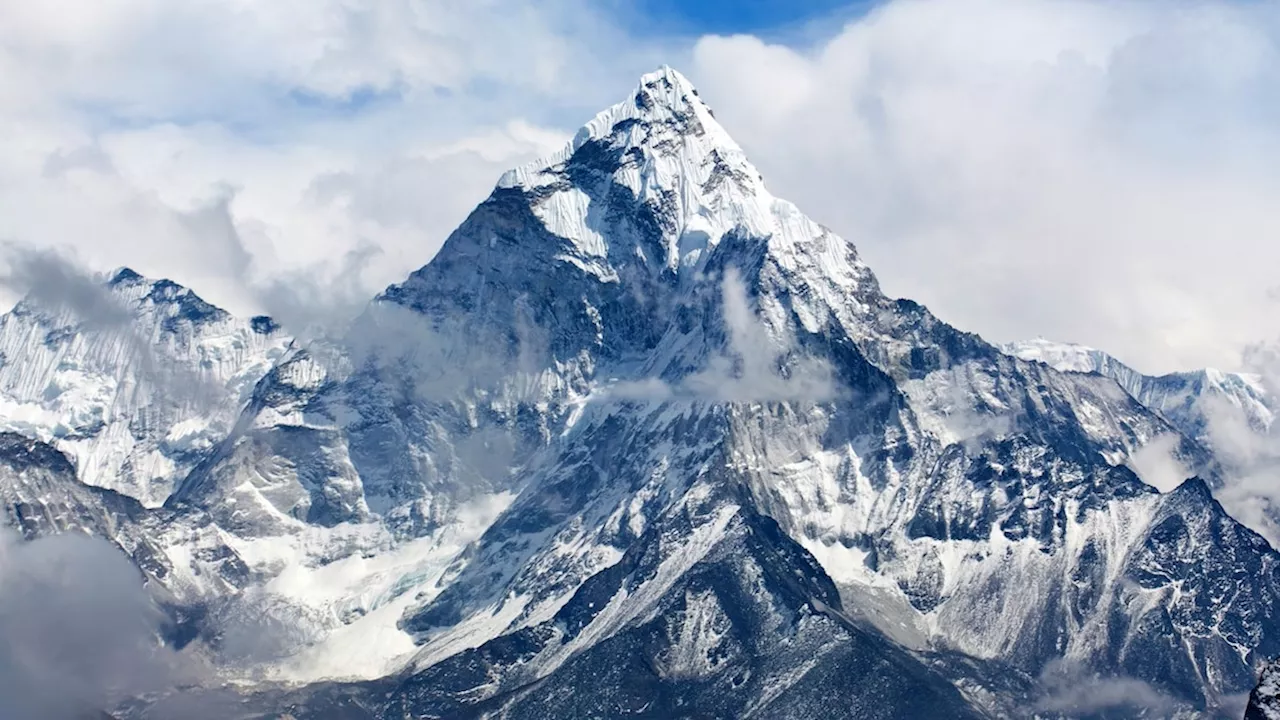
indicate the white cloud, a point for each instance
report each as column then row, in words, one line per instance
column 1090, row 171
column 131, row 129
column 1157, row 463
column 1249, row 453
column 1093, row 172
column 1071, row 690
column 80, row 632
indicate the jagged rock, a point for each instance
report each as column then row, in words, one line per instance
column 1264, row 701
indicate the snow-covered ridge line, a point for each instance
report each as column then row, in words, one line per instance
column 1180, row 396
column 134, row 378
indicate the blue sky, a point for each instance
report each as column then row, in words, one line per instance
column 763, row 17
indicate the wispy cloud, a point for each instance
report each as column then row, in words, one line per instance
column 1157, row 463
column 1073, row 691
column 1249, row 453
column 759, row 364
column 53, row 282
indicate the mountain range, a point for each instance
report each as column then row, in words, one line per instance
column 643, row 440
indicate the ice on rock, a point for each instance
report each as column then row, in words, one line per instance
column 1264, row 701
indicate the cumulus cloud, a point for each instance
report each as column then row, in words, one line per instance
column 315, row 128
column 1091, row 171
column 321, row 299
column 1096, row 172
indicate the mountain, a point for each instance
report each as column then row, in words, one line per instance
column 644, row 440
column 1191, row 401
column 138, row 391
column 1230, row 414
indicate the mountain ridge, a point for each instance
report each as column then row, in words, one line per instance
column 638, row 413
column 134, row 377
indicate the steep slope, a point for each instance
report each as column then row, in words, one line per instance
column 138, row 392
column 712, row 612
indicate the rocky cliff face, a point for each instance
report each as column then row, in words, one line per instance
column 1264, row 701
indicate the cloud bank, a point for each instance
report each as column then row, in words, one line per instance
column 80, row 632
column 1097, row 172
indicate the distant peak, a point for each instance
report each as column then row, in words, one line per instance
column 125, row 276
column 132, row 286
column 1067, row 357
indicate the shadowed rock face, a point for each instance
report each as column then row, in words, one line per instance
column 732, row 477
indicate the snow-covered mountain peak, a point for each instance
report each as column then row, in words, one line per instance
column 1067, row 357
column 663, row 97
column 166, row 296
column 177, row 302
column 134, row 378
column 613, row 257
column 665, row 146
